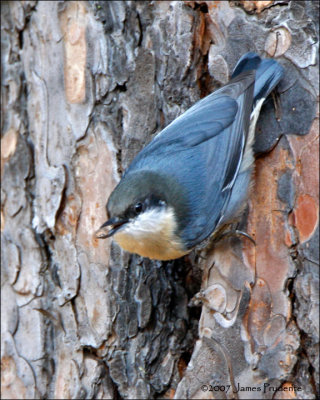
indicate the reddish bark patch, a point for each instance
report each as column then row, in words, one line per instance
column 306, row 216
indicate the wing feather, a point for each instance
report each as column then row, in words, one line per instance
column 209, row 140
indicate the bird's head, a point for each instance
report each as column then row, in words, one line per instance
column 144, row 213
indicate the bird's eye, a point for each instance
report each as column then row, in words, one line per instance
column 138, row 208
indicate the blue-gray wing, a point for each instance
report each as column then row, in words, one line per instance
column 202, row 150
column 206, row 119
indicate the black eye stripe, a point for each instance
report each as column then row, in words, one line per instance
column 138, row 207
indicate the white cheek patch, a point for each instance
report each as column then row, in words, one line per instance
column 151, row 234
column 150, row 222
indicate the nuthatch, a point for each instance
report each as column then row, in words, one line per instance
column 193, row 178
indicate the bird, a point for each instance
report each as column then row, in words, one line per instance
column 193, row 178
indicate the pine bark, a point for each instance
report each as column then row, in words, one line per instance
column 85, row 85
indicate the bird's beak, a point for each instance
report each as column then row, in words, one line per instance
column 110, row 227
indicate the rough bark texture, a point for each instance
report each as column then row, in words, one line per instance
column 84, row 87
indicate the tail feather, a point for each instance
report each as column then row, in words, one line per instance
column 248, row 62
column 268, row 76
column 268, row 73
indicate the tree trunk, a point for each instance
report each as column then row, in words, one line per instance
column 85, row 85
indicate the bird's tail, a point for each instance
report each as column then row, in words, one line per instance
column 268, row 74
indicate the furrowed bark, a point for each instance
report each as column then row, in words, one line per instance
column 85, row 85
